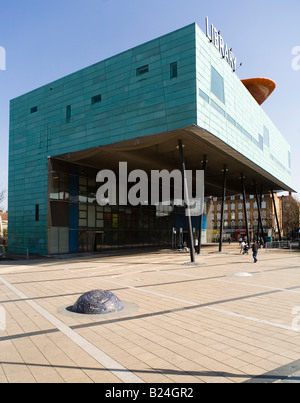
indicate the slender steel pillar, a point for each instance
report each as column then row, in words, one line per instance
column 222, row 212
column 258, row 225
column 201, row 217
column 187, row 202
column 258, row 201
column 276, row 215
column 282, row 214
column 245, row 209
column 262, row 227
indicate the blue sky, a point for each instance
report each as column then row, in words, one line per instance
column 48, row 39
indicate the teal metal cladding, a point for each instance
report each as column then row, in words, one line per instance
column 102, row 104
column 162, row 85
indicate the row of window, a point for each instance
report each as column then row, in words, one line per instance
column 277, row 162
column 217, row 88
column 260, row 143
column 241, row 224
column 241, row 206
column 94, row 100
column 240, row 215
column 98, row 98
column 145, row 69
column 91, row 218
column 238, row 197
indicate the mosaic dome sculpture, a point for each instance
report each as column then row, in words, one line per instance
column 97, row 302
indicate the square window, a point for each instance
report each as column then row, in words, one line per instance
column 68, row 113
column 266, row 137
column 142, row 70
column 261, row 142
column 82, row 214
column 37, row 212
column 217, row 85
column 173, row 70
column 96, row 99
column 99, row 223
column 34, row 109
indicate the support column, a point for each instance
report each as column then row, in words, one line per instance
column 201, row 217
column 260, row 225
column 187, row 202
column 222, row 212
column 276, row 215
column 245, row 208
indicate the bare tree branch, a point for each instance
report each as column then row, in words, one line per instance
column 2, row 197
column 291, row 214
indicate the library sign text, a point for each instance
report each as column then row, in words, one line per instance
column 214, row 35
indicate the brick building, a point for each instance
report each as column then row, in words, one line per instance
column 234, row 217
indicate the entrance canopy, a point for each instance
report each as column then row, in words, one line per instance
column 160, row 151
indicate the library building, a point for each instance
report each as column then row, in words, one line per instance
column 172, row 103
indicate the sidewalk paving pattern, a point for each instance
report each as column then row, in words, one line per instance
column 192, row 324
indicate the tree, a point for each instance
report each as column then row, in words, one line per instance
column 291, row 214
column 2, row 197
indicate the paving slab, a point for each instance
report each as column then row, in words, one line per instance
column 225, row 319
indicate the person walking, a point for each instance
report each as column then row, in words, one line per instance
column 255, row 250
column 185, row 247
column 242, row 245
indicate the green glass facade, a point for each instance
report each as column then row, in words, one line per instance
column 167, row 84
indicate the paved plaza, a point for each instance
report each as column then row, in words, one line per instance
column 223, row 320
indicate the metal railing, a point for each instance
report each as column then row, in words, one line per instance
column 287, row 245
column 295, row 245
column 18, row 250
column 278, row 245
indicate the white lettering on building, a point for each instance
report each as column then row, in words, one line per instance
column 217, row 40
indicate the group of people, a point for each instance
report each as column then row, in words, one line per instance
column 245, row 247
